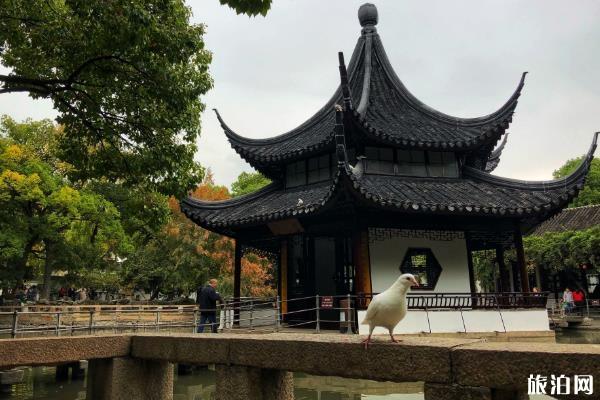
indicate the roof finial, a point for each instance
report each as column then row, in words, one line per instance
column 367, row 15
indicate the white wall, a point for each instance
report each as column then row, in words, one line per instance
column 450, row 321
column 387, row 252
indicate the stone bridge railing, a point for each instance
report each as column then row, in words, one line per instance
column 257, row 367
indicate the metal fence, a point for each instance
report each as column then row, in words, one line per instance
column 245, row 314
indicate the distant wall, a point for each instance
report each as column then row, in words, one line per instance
column 449, row 321
column 387, row 248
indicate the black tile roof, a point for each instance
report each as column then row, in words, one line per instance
column 494, row 157
column 269, row 204
column 392, row 114
column 571, row 219
column 386, row 111
column 458, row 196
column 475, row 193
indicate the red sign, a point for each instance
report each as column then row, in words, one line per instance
column 327, row 302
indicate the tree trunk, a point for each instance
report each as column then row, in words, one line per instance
column 45, row 295
column 21, row 263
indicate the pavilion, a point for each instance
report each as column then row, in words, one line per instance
column 377, row 183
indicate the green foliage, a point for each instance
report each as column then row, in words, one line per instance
column 143, row 212
column 250, row 7
column 42, row 215
column 558, row 250
column 173, row 262
column 590, row 194
column 125, row 77
column 485, row 269
column 248, row 182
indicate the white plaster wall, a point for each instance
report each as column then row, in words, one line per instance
column 448, row 321
column 387, row 254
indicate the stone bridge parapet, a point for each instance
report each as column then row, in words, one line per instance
column 257, row 367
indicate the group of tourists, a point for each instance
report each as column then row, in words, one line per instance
column 70, row 293
column 572, row 299
column 23, row 294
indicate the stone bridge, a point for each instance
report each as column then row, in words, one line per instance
column 257, row 367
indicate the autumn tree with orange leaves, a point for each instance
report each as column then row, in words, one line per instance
column 184, row 256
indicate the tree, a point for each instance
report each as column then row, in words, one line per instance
column 590, row 194
column 250, row 7
column 125, row 76
column 41, row 214
column 184, row 256
column 248, row 182
column 559, row 250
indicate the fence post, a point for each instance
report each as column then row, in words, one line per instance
column 251, row 313
column 157, row 322
column 196, row 320
column 91, row 324
column 427, row 314
column 318, row 326
column 277, row 314
column 15, row 324
column 58, row 323
column 500, row 312
column 587, row 306
column 349, row 317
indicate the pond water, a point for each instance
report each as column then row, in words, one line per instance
column 40, row 383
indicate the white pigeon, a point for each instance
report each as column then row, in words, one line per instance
column 388, row 308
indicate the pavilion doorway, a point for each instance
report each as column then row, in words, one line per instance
column 318, row 265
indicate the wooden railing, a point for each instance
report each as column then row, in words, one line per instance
column 492, row 300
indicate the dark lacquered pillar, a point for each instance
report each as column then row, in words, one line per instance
column 237, row 278
column 471, row 270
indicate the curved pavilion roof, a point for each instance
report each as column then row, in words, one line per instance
column 375, row 101
column 385, row 110
column 476, row 193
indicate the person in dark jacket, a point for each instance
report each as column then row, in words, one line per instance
column 207, row 298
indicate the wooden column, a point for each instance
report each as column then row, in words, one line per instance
column 470, row 265
column 362, row 263
column 521, row 258
column 472, row 286
column 283, row 276
column 237, row 277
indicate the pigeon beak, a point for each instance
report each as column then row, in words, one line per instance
column 415, row 283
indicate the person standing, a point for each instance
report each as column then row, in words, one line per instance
column 568, row 300
column 207, row 298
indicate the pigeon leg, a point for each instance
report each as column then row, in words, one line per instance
column 366, row 342
column 368, row 339
column 392, row 336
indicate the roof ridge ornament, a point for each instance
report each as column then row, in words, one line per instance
column 368, row 17
column 340, row 137
column 344, row 83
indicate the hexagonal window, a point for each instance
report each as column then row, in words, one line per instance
column 423, row 265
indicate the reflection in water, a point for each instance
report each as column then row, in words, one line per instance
column 40, row 383
column 580, row 335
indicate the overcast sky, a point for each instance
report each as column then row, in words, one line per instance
column 463, row 58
